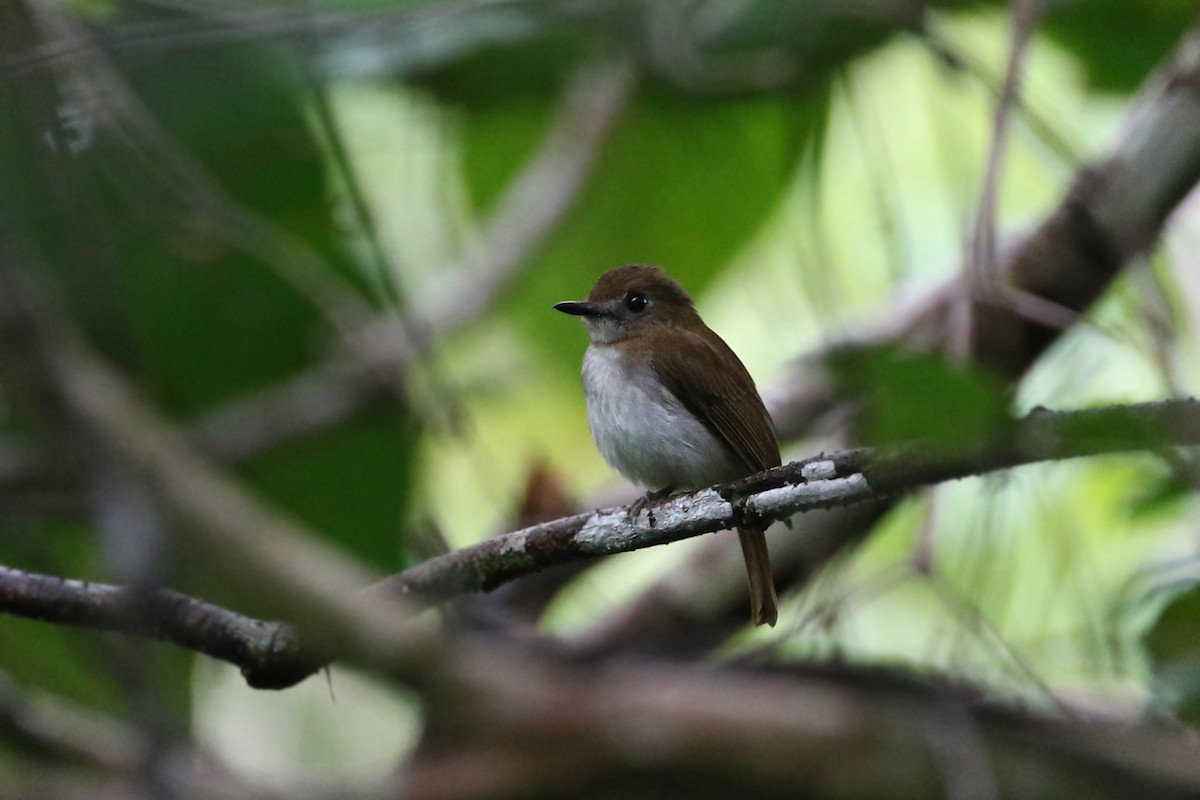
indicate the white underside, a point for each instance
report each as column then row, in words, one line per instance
column 644, row 432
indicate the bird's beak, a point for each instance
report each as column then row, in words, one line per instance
column 580, row 308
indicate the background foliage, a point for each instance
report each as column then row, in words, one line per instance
column 207, row 188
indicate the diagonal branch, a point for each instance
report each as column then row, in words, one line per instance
column 535, row 202
column 825, row 481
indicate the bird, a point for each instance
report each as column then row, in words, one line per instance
column 670, row 405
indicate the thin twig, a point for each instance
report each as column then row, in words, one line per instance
column 266, row 649
column 981, row 264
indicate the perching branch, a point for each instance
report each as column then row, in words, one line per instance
column 271, row 657
column 845, row 478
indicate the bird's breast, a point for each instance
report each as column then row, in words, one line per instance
column 644, row 432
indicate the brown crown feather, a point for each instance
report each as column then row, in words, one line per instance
column 638, row 277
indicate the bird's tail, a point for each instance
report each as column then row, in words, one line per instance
column 764, row 605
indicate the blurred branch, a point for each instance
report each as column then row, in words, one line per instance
column 739, row 729
column 610, row 730
column 965, row 60
column 34, row 779
column 981, row 266
column 205, row 25
column 49, row 727
column 303, row 406
column 224, row 528
column 47, row 738
column 698, row 48
column 678, row 36
column 538, row 198
column 267, row 652
column 1114, row 211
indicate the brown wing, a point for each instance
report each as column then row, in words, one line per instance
column 711, row 382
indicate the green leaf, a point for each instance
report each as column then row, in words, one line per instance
column 1118, row 42
column 1159, row 496
column 1174, row 649
column 904, row 396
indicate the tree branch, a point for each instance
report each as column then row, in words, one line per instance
column 267, row 652
column 851, row 476
column 270, row 656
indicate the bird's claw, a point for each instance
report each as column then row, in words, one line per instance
column 639, row 505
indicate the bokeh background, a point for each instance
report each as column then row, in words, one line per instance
column 325, row 240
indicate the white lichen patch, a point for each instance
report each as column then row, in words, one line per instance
column 819, row 471
column 513, row 543
column 787, row 499
column 606, row 531
column 706, row 505
column 613, row 530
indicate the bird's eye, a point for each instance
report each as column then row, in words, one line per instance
column 636, row 302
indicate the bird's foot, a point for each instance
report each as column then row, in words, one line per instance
column 640, row 504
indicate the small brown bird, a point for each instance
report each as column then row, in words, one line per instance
column 670, row 406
